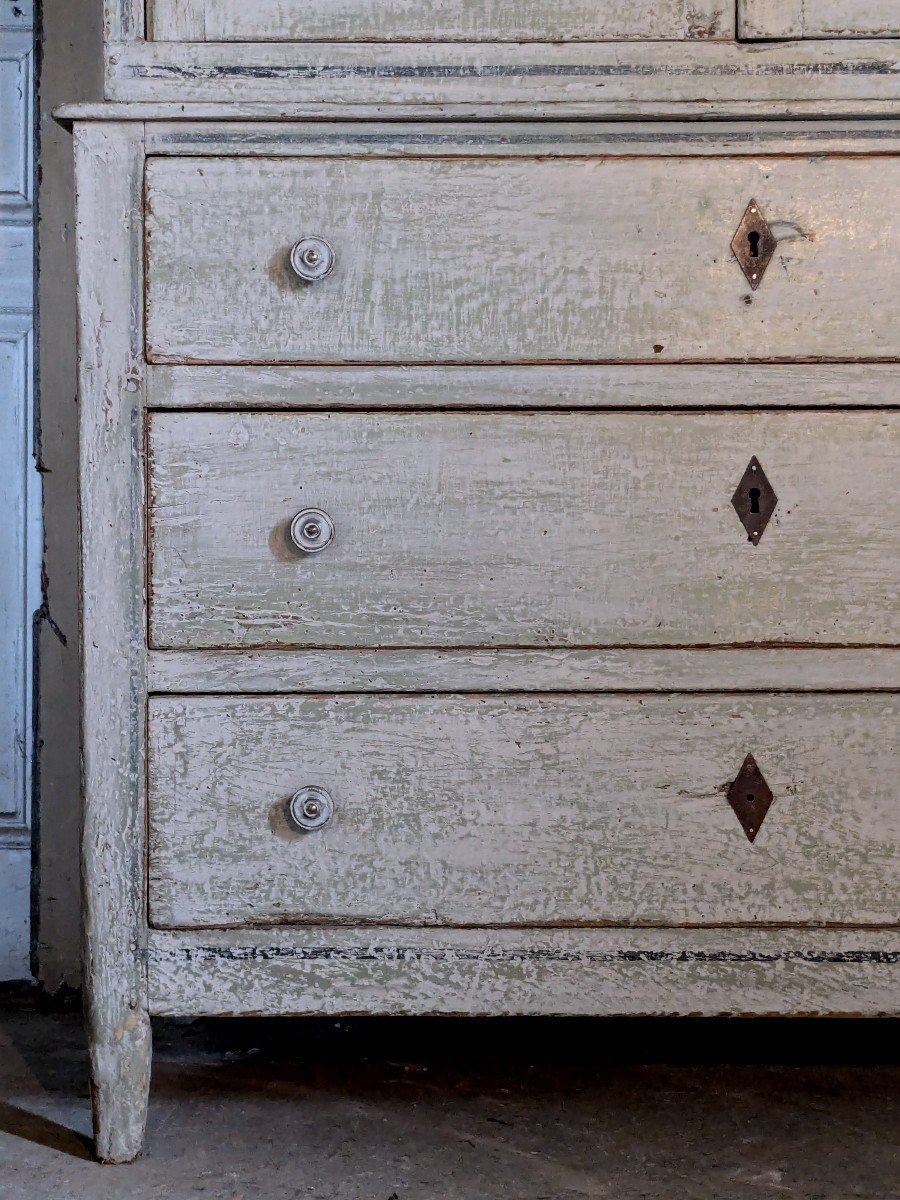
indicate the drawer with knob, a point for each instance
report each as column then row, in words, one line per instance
column 424, row 20
column 523, row 809
column 516, row 259
column 530, row 528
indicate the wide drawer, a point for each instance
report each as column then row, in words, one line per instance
column 511, row 259
column 522, row 529
column 425, row 20
column 818, row 18
column 522, row 809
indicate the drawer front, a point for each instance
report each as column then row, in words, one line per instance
column 765, row 19
column 428, row 20
column 522, row 260
column 522, row 529
column 522, row 810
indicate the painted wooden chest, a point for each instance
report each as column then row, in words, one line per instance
column 490, row 518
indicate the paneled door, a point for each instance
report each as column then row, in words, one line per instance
column 19, row 492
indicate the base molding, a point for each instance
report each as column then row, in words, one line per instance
column 572, row 972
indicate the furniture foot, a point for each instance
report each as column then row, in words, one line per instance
column 120, row 1081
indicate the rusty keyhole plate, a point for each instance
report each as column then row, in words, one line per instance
column 754, row 500
column 754, row 244
column 750, row 797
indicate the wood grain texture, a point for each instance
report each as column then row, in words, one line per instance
column 109, row 161
column 506, row 810
column 433, row 20
column 591, row 75
column 776, row 385
column 438, row 261
column 178, row 20
column 522, row 529
column 628, row 670
column 590, row 972
column 818, row 18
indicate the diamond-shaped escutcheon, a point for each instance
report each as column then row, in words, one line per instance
column 754, row 244
column 754, row 500
column 750, row 797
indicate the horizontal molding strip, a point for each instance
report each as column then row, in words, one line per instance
column 287, row 111
column 532, row 139
column 615, row 386
column 593, row 73
column 601, row 670
column 337, row 971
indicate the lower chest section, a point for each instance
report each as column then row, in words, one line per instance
column 517, row 572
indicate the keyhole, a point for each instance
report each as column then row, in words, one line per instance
column 754, row 500
column 751, row 799
column 753, row 239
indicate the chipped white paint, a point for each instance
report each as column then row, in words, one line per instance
column 595, row 972
column 775, row 385
column 588, row 77
column 109, row 165
column 436, row 260
column 818, row 18
column 435, row 20
column 522, row 529
column 619, row 670
column 525, row 810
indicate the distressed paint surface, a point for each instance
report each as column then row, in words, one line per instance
column 778, row 385
column 522, row 529
column 618, row 670
column 592, row 972
column 435, row 20
column 109, row 161
column 818, row 18
column 525, row 810
column 436, row 260
column 587, row 77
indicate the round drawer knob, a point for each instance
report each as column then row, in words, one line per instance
column 312, row 530
column 312, row 259
column 310, row 808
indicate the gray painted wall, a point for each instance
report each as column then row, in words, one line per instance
column 71, row 70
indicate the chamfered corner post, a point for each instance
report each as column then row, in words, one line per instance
column 109, row 186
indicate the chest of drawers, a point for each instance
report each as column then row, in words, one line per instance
column 489, row 527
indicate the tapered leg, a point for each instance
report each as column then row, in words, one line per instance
column 120, row 1081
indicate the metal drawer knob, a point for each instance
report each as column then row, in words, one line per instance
column 312, row 258
column 310, row 809
column 312, row 530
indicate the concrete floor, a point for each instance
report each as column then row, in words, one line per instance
column 456, row 1110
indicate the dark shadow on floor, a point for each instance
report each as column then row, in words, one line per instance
column 42, row 1132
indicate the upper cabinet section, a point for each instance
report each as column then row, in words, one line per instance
column 529, row 58
column 436, row 20
column 772, row 19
